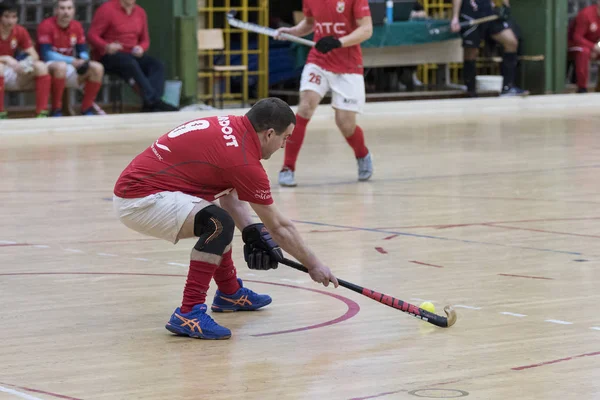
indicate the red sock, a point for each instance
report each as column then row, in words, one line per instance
column 89, row 94
column 197, row 283
column 294, row 143
column 1, row 93
column 226, row 276
column 357, row 142
column 58, row 89
column 42, row 92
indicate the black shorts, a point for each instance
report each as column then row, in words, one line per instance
column 473, row 35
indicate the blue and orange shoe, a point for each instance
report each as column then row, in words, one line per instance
column 196, row 324
column 242, row 300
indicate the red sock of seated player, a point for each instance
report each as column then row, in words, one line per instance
column 89, row 94
column 42, row 92
column 197, row 284
column 58, row 89
column 357, row 142
column 294, row 143
column 226, row 275
column 1, row 93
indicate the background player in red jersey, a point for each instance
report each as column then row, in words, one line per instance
column 584, row 43
column 335, row 63
column 61, row 41
column 170, row 191
column 20, row 68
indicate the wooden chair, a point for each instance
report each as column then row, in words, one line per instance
column 212, row 39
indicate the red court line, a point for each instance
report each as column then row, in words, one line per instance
column 390, row 237
column 15, row 244
column 353, row 307
column 554, row 361
column 381, row 250
column 526, row 276
column 59, row 396
column 429, row 265
column 540, row 230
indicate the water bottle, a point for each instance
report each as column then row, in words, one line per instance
column 389, row 11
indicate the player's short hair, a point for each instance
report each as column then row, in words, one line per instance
column 57, row 2
column 8, row 5
column 271, row 113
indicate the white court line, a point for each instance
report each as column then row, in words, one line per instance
column 467, row 307
column 596, row 328
column 557, row 321
column 74, row 251
column 179, row 264
column 108, row 255
column 7, row 242
column 141, row 259
column 250, row 274
column 40, row 246
column 513, row 314
column 18, row 394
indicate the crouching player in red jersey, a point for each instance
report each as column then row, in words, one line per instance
column 170, row 191
column 335, row 63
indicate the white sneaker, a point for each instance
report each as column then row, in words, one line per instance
column 286, row 178
column 365, row 168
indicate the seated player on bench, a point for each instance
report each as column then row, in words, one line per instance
column 584, row 43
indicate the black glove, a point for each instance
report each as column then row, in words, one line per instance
column 503, row 12
column 83, row 68
column 260, row 250
column 328, row 43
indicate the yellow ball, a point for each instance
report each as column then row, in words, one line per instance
column 428, row 306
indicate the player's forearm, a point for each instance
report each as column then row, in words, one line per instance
column 358, row 36
column 239, row 210
column 456, row 4
column 33, row 54
column 303, row 28
column 8, row 60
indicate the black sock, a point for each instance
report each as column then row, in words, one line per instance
column 469, row 74
column 509, row 68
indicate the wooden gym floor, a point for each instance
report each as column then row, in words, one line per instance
column 489, row 205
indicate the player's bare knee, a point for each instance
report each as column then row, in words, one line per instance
column 214, row 228
column 96, row 70
column 40, row 68
column 471, row 53
column 58, row 69
column 308, row 104
column 346, row 122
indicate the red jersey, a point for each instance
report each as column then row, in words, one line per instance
column 18, row 39
column 206, row 158
column 111, row 23
column 62, row 40
column 336, row 18
column 585, row 30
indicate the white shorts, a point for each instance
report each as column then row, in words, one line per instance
column 159, row 215
column 348, row 90
column 14, row 81
column 72, row 79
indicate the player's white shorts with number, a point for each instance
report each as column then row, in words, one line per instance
column 160, row 215
column 14, row 81
column 348, row 90
column 72, row 79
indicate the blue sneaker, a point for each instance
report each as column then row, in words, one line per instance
column 89, row 111
column 242, row 300
column 196, row 324
column 56, row 113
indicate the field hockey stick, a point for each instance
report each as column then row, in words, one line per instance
column 464, row 24
column 424, row 315
column 263, row 30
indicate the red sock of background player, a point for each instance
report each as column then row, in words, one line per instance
column 357, row 142
column 226, row 275
column 196, row 286
column 294, row 143
column 89, row 94
column 1, row 93
column 58, row 89
column 42, row 92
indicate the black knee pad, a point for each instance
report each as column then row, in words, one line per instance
column 215, row 228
